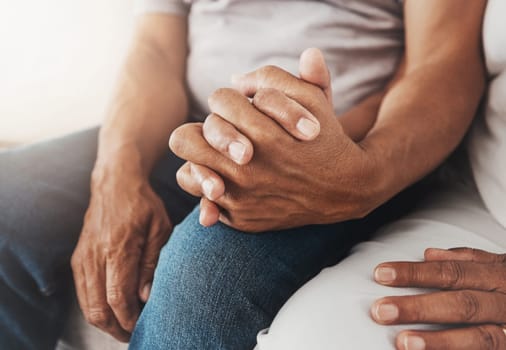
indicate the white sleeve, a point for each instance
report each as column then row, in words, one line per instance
column 177, row 7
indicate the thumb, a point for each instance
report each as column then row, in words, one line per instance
column 157, row 237
column 314, row 70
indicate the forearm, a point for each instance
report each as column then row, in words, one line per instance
column 422, row 119
column 149, row 103
column 360, row 119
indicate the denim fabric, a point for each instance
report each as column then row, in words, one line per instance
column 44, row 193
column 214, row 287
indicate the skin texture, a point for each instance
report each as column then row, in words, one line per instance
column 126, row 223
column 287, row 113
column 278, row 155
column 472, row 297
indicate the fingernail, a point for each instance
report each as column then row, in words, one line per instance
column 412, row 342
column 235, row 78
column 385, row 275
column 386, row 312
column 146, row 291
column 237, row 151
column 202, row 218
column 207, row 188
column 307, row 127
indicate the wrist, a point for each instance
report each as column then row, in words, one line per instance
column 380, row 176
column 356, row 186
column 125, row 162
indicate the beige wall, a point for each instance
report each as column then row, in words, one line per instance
column 58, row 59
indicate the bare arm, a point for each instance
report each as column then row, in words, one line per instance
column 126, row 223
column 360, row 119
column 150, row 99
column 426, row 112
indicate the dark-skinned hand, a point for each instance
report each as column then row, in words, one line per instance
column 125, row 227
column 288, row 180
column 471, row 300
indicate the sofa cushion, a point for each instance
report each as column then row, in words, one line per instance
column 487, row 143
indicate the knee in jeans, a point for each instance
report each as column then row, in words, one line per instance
column 210, row 279
column 213, row 264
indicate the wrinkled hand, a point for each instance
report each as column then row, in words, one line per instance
column 286, row 182
column 225, row 138
column 473, row 284
column 125, row 227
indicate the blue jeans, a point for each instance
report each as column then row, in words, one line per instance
column 214, row 288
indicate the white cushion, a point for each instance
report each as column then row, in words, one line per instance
column 494, row 36
column 487, row 144
column 332, row 310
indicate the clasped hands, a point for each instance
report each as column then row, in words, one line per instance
column 279, row 160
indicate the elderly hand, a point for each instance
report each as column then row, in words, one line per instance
column 287, row 183
column 125, row 227
column 472, row 300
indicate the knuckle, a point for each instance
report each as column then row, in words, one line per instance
column 244, row 178
column 451, row 274
column 285, row 116
column 315, row 104
column 219, row 95
column 268, row 71
column 240, row 178
column 116, row 298
column 110, row 251
column 417, row 312
column 231, row 203
column 469, row 306
column 148, row 267
column 490, row 337
column 413, row 273
column 266, row 138
column 263, row 96
column 99, row 318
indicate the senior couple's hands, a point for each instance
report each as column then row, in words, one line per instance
column 282, row 160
